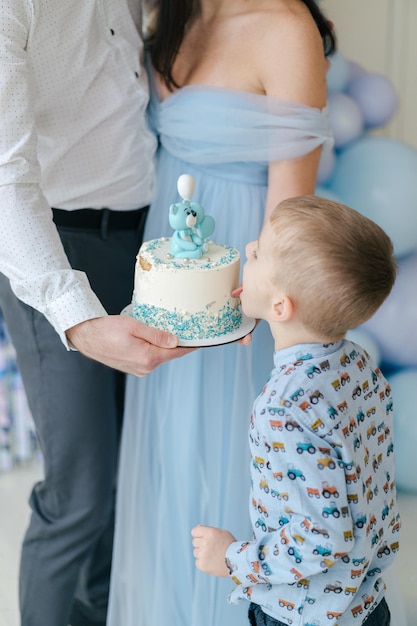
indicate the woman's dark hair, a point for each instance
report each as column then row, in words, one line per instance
column 172, row 17
column 325, row 27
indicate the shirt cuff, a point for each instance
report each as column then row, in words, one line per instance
column 238, row 560
column 76, row 305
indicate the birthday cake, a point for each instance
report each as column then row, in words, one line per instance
column 183, row 283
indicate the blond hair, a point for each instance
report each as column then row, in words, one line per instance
column 337, row 265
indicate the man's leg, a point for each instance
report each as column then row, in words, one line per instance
column 111, row 274
column 76, row 404
column 72, row 401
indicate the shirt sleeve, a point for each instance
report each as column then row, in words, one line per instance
column 301, row 534
column 31, row 252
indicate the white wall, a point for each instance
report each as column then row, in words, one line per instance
column 380, row 35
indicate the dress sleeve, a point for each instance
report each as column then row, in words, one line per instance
column 249, row 127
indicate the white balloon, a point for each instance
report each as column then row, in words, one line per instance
column 186, row 186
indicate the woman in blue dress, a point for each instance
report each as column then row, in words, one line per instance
column 238, row 97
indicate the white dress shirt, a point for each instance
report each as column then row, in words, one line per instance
column 73, row 92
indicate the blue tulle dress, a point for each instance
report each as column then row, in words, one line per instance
column 185, row 456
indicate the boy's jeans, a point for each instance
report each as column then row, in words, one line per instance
column 379, row 617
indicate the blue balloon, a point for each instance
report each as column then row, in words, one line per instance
column 394, row 325
column 377, row 176
column 345, row 119
column 355, row 70
column 325, row 192
column 338, row 74
column 326, row 165
column 375, row 96
column 403, row 386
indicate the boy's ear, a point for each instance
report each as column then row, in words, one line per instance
column 282, row 310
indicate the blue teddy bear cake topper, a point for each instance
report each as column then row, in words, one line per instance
column 191, row 226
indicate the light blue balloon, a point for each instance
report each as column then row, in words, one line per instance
column 326, row 165
column 355, row 70
column 394, row 325
column 377, row 176
column 325, row 192
column 345, row 119
column 375, row 96
column 338, row 74
column 403, row 386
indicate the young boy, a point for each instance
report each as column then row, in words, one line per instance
column 323, row 501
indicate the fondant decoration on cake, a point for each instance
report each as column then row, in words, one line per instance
column 188, row 297
column 191, row 226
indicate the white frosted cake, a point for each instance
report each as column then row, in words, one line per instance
column 184, row 287
column 187, row 297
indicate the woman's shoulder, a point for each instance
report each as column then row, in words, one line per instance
column 288, row 52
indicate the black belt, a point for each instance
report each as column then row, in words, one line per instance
column 100, row 219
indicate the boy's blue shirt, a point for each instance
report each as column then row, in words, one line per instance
column 323, row 501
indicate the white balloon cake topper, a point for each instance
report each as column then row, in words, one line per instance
column 191, row 226
column 186, row 186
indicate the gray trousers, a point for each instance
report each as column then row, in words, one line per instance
column 77, row 406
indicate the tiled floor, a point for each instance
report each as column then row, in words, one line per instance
column 14, row 490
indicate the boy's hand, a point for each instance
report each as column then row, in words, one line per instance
column 210, row 547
